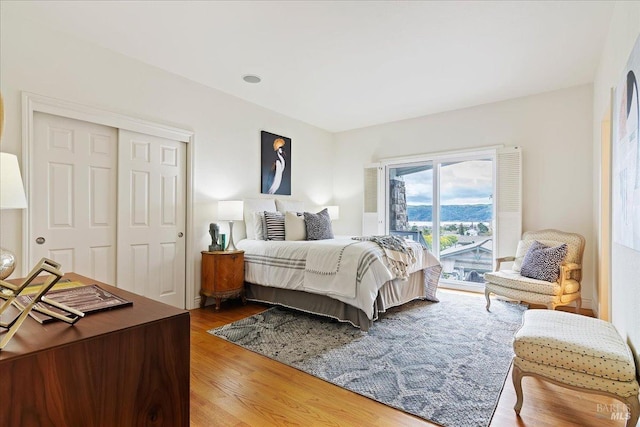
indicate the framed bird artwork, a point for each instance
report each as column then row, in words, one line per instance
column 276, row 164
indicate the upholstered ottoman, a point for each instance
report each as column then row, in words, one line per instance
column 576, row 352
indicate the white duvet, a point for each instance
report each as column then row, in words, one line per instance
column 348, row 270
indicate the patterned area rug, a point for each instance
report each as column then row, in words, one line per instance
column 445, row 362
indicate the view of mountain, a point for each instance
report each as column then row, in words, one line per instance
column 450, row 213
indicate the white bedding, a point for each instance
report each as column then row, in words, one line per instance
column 347, row 270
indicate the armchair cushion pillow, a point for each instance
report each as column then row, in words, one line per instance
column 543, row 262
column 511, row 279
column 523, row 248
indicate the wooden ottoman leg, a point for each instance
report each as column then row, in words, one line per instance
column 516, row 376
column 633, row 405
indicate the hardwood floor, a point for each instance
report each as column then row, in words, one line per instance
column 231, row 386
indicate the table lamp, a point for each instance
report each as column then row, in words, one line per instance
column 11, row 197
column 230, row 210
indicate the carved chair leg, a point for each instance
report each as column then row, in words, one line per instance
column 578, row 304
column 487, row 292
column 516, row 376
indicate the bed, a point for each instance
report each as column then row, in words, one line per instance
column 350, row 279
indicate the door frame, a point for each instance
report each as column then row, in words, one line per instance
column 603, row 266
column 32, row 103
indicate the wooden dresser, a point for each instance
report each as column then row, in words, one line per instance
column 124, row 367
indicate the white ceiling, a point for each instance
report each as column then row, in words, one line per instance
column 342, row 65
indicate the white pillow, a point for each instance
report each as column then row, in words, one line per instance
column 294, row 227
column 289, row 205
column 255, row 205
column 259, row 226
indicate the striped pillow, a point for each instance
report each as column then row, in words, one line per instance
column 275, row 225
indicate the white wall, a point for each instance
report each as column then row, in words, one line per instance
column 227, row 129
column 554, row 130
column 625, row 262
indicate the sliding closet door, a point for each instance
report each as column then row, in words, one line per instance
column 151, row 217
column 72, row 209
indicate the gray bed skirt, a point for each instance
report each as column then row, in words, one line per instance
column 391, row 294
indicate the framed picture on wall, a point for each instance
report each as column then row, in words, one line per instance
column 275, row 164
column 625, row 177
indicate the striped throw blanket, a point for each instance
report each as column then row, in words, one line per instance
column 399, row 255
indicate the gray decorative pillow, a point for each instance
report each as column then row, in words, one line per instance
column 318, row 225
column 275, row 225
column 543, row 262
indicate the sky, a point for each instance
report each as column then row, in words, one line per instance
column 464, row 183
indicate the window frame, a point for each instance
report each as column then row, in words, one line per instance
column 436, row 160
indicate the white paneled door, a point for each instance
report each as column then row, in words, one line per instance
column 151, row 217
column 72, row 210
column 110, row 204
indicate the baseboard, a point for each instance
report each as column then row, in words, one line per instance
column 586, row 303
column 475, row 288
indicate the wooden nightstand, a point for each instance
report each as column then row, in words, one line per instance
column 222, row 276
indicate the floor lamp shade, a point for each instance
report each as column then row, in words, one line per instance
column 11, row 197
column 230, row 210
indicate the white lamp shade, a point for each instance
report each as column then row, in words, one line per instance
column 334, row 212
column 230, row 210
column 11, row 187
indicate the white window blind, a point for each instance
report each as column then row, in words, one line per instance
column 508, row 200
column 373, row 209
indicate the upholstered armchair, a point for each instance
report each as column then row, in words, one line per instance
column 565, row 262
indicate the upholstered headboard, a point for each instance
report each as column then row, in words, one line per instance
column 250, row 207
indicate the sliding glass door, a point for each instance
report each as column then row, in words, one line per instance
column 449, row 201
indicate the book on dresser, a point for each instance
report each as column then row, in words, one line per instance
column 87, row 299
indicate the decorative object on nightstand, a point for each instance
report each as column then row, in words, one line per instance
column 214, row 231
column 222, row 276
column 11, row 197
column 230, row 210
